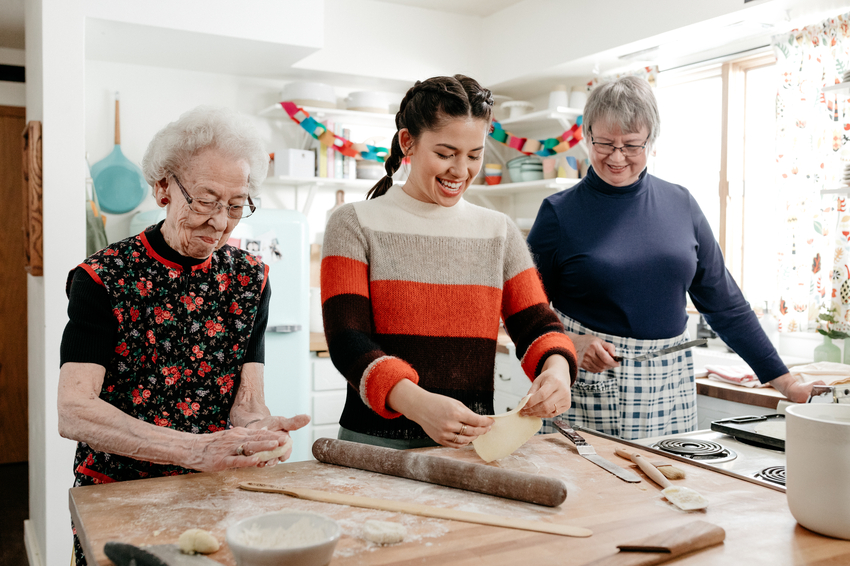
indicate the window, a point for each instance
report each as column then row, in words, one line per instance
column 718, row 130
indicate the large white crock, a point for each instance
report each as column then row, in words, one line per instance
column 817, row 449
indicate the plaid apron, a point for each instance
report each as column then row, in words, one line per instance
column 654, row 397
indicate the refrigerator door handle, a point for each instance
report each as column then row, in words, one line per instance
column 284, row 328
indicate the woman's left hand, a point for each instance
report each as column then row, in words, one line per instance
column 277, row 424
column 793, row 390
column 550, row 392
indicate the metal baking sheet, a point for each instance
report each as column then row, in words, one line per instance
column 744, row 429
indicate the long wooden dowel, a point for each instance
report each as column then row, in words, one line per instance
column 421, row 510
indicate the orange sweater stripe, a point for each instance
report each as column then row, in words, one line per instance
column 523, row 290
column 541, row 346
column 427, row 309
column 344, row 276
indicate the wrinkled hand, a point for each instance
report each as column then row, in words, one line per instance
column 221, row 450
column 447, row 421
column 793, row 390
column 279, row 424
column 594, row 354
column 550, row 392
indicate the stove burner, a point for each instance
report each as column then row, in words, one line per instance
column 695, row 449
column 774, row 474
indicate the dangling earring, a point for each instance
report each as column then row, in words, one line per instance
column 163, row 200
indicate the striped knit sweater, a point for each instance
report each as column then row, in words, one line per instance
column 412, row 290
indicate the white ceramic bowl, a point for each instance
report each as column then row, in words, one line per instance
column 817, row 467
column 309, row 94
column 317, row 554
column 366, row 101
column 517, row 108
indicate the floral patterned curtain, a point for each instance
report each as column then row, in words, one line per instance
column 812, row 130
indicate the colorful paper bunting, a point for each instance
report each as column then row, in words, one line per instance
column 342, row 145
column 545, row 147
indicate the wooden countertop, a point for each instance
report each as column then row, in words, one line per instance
column 759, row 527
column 766, row 397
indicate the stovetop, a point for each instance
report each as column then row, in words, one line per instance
column 715, row 450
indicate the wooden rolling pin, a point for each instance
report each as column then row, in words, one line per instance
column 509, row 484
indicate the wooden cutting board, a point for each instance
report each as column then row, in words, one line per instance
column 759, row 528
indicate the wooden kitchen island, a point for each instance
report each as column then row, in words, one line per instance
column 759, row 527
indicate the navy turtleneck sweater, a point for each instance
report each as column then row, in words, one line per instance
column 620, row 260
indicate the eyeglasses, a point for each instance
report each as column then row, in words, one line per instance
column 626, row 150
column 208, row 207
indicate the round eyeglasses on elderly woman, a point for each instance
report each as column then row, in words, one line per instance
column 619, row 253
column 162, row 357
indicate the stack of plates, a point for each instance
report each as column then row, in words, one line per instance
column 846, row 77
column 846, row 178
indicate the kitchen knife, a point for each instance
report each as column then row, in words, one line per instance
column 123, row 554
column 588, row 452
column 662, row 351
column 830, row 394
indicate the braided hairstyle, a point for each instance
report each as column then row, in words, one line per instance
column 427, row 106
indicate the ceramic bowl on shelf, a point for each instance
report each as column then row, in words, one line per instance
column 284, row 538
column 367, row 101
column 517, row 108
column 531, row 171
column 309, row 94
column 493, row 179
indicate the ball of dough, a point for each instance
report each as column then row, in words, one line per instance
column 383, row 532
column 272, row 454
column 197, row 541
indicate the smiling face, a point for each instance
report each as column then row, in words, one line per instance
column 211, row 176
column 616, row 169
column 444, row 162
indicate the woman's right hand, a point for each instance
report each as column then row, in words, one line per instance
column 594, row 354
column 447, row 421
column 221, row 450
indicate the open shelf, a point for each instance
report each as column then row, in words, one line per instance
column 836, row 191
column 347, row 116
column 322, row 182
column 836, row 88
column 562, row 116
column 557, row 184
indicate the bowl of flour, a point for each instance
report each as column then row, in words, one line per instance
column 284, row 538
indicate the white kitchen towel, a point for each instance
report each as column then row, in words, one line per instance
column 638, row 399
column 830, row 373
column 738, row 375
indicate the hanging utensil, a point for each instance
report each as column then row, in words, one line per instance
column 118, row 182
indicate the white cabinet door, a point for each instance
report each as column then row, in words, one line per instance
column 326, row 377
column 327, row 407
column 504, row 402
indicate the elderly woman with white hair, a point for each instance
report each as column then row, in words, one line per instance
column 618, row 254
column 162, row 358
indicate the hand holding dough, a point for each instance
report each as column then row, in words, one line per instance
column 510, row 431
column 267, row 455
column 197, row 541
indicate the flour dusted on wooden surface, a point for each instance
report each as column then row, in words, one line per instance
column 302, row 533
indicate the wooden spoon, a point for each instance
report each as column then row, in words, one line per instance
column 684, row 498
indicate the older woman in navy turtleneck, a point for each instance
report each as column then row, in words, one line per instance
column 618, row 255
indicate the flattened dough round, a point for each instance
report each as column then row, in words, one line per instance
column 510, row 431
column 383, row 532
column 197, row 541
column 272, row 454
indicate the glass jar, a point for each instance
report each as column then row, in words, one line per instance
column 827, row 352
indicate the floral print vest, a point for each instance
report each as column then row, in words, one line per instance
column 181, row 338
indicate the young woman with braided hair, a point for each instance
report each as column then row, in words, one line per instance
column 414, row 284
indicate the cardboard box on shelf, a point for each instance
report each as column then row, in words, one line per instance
column 294, row 163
